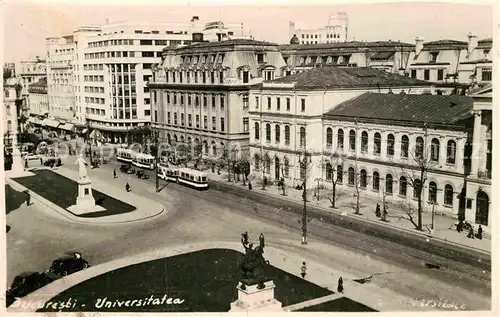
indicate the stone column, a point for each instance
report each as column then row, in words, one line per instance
column 476, row 144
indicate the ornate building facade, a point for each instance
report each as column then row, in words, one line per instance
column 201, row 92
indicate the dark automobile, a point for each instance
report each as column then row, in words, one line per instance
column 26, row 283
column 68, row 265
column 127, row 169
column 56, row 161
column 142, row 175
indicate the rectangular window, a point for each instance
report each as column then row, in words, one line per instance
column 214, row 123
column 426, row 74
column 268, row 103
column 205, row 122
column 222, row 124
column 440, row 74
column 302, row 105
column 245, row 102
column 256, row 102
column 182, row 119
column 213, row 101
column 278, row 103
column 190, row 123
column 287, row 104
column 413, row 73
column 175, row 118
column 197, row 120
column 168, row 117
column 245, row 125
column 486, row 74
column 221, row 103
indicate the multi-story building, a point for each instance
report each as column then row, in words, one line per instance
column 9, row 68
column 200, row 92
column 387, row 55
column 286, row 113
column 31, row 71
column 12, row 101
column 477, row 205
column 452, row 65
column 334, row 31
column 103, row 71
column 38, row 101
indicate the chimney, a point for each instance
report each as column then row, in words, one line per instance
column 195, row 18
column 291, row 28
column 472, row 42
column 419, row 44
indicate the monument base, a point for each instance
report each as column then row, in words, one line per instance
column 250, row 298
column 85, row 202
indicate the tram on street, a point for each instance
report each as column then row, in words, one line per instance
column 125, row 155
column 185, row 176
column 144, row 160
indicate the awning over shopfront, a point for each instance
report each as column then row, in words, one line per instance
column 67, row 127
column 51, row 123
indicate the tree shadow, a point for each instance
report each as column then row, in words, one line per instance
column 13, row 199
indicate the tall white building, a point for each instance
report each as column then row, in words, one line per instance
column 334, row 31
column 99, row 74
column 31, row 71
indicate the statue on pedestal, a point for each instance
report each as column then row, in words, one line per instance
column 82, row 170
column 252, row 268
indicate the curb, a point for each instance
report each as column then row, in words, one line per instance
column 352, row 216
column 68, row 216
column 58, row 286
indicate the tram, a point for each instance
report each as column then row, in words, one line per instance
column 144, row 160
column 125, row 155
column 185, row 176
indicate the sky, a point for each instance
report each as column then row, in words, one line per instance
column 26, row 23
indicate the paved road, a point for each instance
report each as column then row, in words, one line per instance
column 35, row 239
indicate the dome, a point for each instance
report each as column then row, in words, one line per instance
column 294, row 40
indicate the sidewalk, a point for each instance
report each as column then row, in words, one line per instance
column 444, row 226
column 145, row 208
column 368, row 294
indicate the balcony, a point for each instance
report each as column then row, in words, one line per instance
column 486, row 175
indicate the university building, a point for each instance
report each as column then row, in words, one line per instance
column 201, row 92
column 286, row 114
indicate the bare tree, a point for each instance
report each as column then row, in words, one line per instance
column 244, row 165
column 334, row 166
column 284, row 166
column 266, row 162
column 416, row 170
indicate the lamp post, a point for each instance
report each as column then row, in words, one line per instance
column 89, row 139
column 304, row 159
column 157, row 181
column 317, row 192
column 433, row 203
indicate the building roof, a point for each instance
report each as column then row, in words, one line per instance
column 350, row 44
column 348, row 77
column 42, row 82
column 444, row 44
column 432, row 109
column 226, row 43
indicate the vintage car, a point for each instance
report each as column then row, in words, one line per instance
column 142, row 175
column 67, row 265
column 26, row 283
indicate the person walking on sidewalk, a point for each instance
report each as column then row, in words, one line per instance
column 261, row 241
column 340, row 285
column 384, row 214
column 377, row 211
column 127, row 187
column 28, row 198
column 303, row 270
column 471, row 233
column 114, row 173
column 479, row 234
column 26, row 163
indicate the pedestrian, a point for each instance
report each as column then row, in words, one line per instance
column 384, row 214
column 26, row 163
column 460, row 226
column 377, row 211
column 28, row 198
column 479, row 234
column 114, row 173
column 245, row 237
column 41, row 161
column 303, row 270
column 127, row 187
column 340, row 285
column 249, row 185
column 265, row 181
column 261, row 241
column 471, row 233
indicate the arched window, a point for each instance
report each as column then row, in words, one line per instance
column 175, row 138
column 329, row 137
column 257, row 131
column 432, row 192
column 302, row 137
column 214, row 148
column 224, row 150
column 388, row 184
column 286, row 167
column 435, row 150
column 287, row 135
column 417, row 188
column 419, row 148
column 403, row 184
column 364, row 142
column 277, row 133
column 268, row 164
column 362, row 179
column 205, row 147
column 376, row 181
column 451, row 152
column 182, row 139
column 352, row 140
column 390, row 144
column 405, row 145
column 256, row 159
column 268, row 132
column 377, row 143
column 350, row 176
column 276, row 168
column 448, row 195
column 169, row 139
column 340, row 176
column 7, row 110
column 340, row 139
column 329, row 172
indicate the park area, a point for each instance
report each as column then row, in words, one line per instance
column 202, row 281
column 63, row 191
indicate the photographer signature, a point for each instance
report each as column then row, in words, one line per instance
column 438, row 304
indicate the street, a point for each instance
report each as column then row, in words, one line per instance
column 36, row 238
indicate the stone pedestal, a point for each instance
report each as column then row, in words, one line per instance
column 85, row 202
column 250, row 298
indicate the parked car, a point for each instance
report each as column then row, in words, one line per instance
column 142, row 175
column 67, row 265
column 48, row 161
column 127, row 169
column 26, row 283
